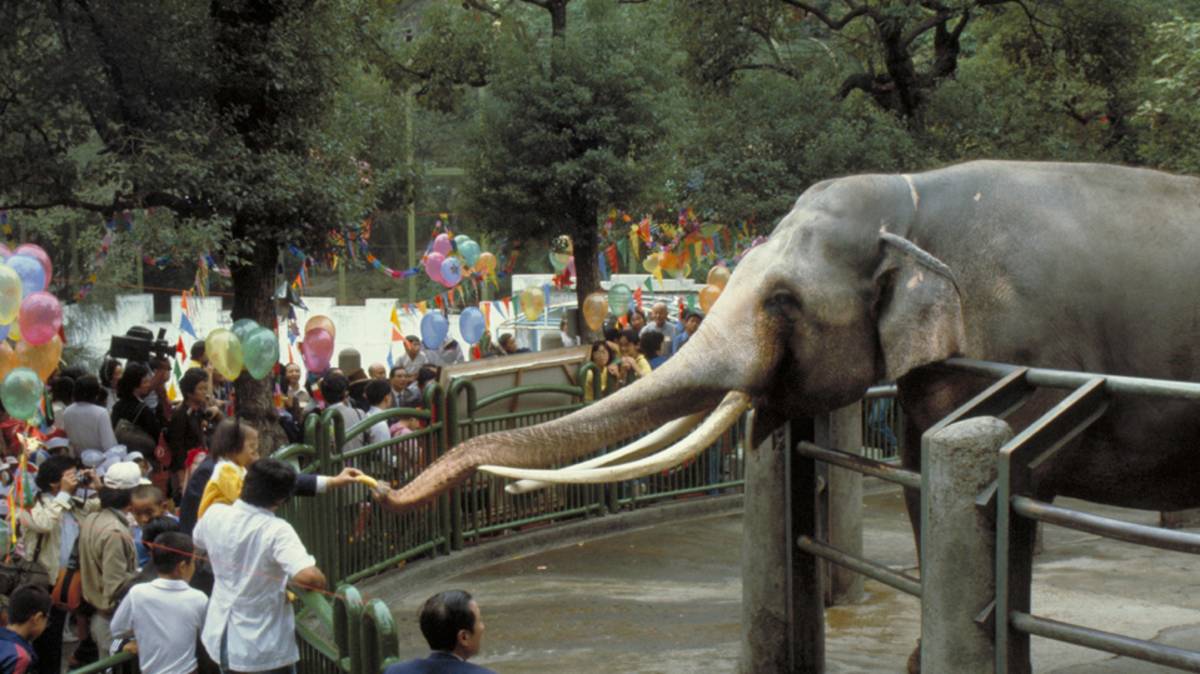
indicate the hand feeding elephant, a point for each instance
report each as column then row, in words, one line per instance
column 874, row 277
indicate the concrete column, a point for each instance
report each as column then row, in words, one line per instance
column 842, row 429
column 958, row 543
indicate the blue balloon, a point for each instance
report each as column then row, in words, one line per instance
column 470, row 251
column 434, row 328
column 451, row 272
column 33, row 275
column 470, row 324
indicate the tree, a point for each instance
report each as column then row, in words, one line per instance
column 217, row 112
column 568, row 135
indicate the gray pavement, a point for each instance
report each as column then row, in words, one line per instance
column 667, row 599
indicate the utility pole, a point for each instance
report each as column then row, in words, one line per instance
column 411, row 193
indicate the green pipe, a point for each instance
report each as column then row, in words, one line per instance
column 479, row 531
column 394, row 560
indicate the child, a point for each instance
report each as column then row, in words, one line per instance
column 235, row 448
column 28, row 615
column 164, row 616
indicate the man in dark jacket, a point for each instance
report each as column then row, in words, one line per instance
column 28, row 615
column 306, row 485
column 453, row 627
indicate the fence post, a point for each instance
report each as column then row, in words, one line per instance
column 842, row 429
column 782, row 606
column 958, row 544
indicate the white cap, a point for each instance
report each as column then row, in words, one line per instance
column 124, row 475
column 52, row 443
column 134, row 456
column 119, row 451
column 91, row 457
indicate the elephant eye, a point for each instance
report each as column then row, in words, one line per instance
column 784, row 303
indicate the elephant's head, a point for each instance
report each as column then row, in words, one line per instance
column 836, row 300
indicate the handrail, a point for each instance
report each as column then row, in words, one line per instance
column 1164, row 539
column 112, row 662
column 529, row 389
column 1051, row 378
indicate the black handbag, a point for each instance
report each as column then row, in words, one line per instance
column 15, row 573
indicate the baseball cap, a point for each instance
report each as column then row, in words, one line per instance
column 54, row 443
column 135, row 456
column 124, row 475
column 91, row 457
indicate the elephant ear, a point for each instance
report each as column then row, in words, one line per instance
column 919, row 308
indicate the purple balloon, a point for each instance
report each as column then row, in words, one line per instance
column 33, row 276
column 317, row 349
column 38, row 253
column 40, row 318
column 442, row 244
column 451, row 272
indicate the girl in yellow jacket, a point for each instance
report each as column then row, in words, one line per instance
column 235, row 447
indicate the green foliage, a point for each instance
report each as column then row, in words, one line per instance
column 1170, row 111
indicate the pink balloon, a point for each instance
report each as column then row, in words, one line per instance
column 35, row 251
column 442, row 244
column 433, row 265
column 571, row 267
column 5, row 252
column 40, row 318
column 317, row 349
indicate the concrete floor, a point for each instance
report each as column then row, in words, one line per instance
column 667, row 600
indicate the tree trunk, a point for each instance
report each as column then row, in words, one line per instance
column 253, row 298
column 587, row 271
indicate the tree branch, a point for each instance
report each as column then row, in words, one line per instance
column 784, row 70
column 482, row 6
column 834, row 24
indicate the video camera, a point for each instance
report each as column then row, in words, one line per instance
column 138, row 343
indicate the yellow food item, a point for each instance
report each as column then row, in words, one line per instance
column 370, row 482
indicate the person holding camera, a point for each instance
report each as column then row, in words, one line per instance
column 42, row 532
column 190, row 426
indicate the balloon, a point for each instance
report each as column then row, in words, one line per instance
column 669, row 261
column 35, row 251
column 533, row 301
column 619, row 296
column 433, row 266
column 322, row 322
column 40, row 317
column 21, row 393
column 558, row 261
column 260, row 350
column 5, row 252
column 242, row 327
column 42, row 359
column 487, row 263
column 571, row 266
column 471, row 325
column 459, row 241
column 708, row 296
column 14, row 331
column 595, row 310
column 8, row 359
column 317, row 349
column 434, row 328
column 652, row 262
column 469, row 250
column 683, row 271
column 10, row 294
column 718, row 276
column 33, row 277
column 224, row 351
column 451, row 272
column 441, row 245
column 4, row 330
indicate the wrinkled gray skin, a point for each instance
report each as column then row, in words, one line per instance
column 1074, row 266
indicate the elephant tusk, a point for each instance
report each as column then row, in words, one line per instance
column 647, row 444
column 725, row 415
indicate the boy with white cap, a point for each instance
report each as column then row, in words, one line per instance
column 107, row 558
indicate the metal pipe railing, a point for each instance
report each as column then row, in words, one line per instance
column 1164, row 539
column 1100, row 640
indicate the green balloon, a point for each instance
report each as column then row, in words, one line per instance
column 242, row 327
column 21, row 393
column 619, row 297
column 260, row 352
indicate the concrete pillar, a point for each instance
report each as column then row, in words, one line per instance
column 842, row 429
column 958, row 543
column 765, row 559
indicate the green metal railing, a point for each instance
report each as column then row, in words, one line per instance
column 345, row 634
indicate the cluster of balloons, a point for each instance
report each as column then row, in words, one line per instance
column 435, row 327
column 562, row 255
column 317, row 347
column 247, row 345
column 597, row 305
column 30, row 320
column 450, row 259
column 533, row 303
column 675, row 264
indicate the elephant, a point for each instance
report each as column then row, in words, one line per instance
column 1086, row 267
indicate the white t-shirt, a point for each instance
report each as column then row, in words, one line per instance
column 165, row 616
column 253, row 554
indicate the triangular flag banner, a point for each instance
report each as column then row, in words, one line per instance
column 389, row 356
column 178, row 370
column 487, row 315
column 291, row 358
column 183, row 302
column 186, row 326
column 395, row 320
column 172, row 394
column 179, row 348
column 507, row 306
column 546, row 304
column 649, row 284
column 637, row 297
column 422, row 307
column 691, row 302
column 397, row 336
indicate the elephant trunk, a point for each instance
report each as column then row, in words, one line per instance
column 694, row 380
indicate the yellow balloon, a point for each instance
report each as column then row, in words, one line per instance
column 486, row 263
column 708, row 297
column 8, row 358
column 532, row 303
column 652, row 262
column 595, row 310
column 224, row 351
column 14, row 331
column 10, row 294
column 718, row 276
column 684, row 271
column 42, row 359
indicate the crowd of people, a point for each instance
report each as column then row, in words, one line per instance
column 150, row 522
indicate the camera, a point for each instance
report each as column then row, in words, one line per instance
column 138, row 343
